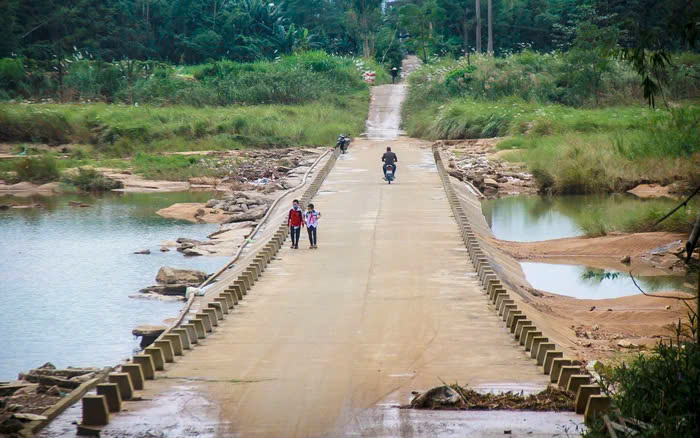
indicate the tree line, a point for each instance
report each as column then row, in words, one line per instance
column 195, row 31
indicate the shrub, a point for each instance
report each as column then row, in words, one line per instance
column 91, row 180
column 41, row 169
column 661, row 388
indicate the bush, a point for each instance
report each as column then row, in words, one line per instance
column 661, row 389
column 34, row 125
column 91, row 180
column 42, row 169
column 11, row 74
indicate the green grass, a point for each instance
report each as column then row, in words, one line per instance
column 121, row 130
column 636, row 217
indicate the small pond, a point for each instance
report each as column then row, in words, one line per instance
column 66, row 274
column 587, row 283
column 535, row 218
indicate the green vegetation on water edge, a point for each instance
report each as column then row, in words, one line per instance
column 569, row 149
column 305, row 99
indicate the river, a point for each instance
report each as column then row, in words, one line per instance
column 66, row 274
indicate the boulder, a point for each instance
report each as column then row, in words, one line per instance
column 148, row 330
column 250, row 215
column 187, row 277
column 489, row 182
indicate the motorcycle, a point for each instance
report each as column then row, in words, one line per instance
column 389, row 173
column 343, row 143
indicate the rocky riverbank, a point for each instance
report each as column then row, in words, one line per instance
column 35, row 391
column 478, row 163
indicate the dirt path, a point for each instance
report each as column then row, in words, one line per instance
column 331, row 340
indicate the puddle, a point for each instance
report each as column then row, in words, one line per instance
column 583, row 282
column 534, row 218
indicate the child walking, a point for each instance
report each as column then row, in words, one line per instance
column 311, row 217
column 295, row 221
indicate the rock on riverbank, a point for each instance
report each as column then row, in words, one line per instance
column 172, row 282
column 478, row 162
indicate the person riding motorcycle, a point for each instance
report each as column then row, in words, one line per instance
column 390, row 159
column 343, row 143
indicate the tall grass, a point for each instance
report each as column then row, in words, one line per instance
column 302, row 77
column 120, row 130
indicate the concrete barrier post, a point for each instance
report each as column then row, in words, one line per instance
column 519, row 327
column 493, row 297
column 231, row 297
column 167, row 349
column 508, row 316
column 254, row 271
column 530, row 337
column 192, row 332
column 110, row 391
column 185, row 339
column 212, row 316
column 135, row 374
column 536, row 341
column 506, row 306
column 584, row 392
column 596, row 405
column 148, row 368
column 542, row 351
column 513, row 320
column 223, row 302
column 200, row 326
column 204, row 317
column 557, row 365
column 250, row 278
column 565, row 374
column 523, row 333
column 175, row 342
column 576, row 381
column 218, row 310
column 245, row 282
column 500, row 298
column 549, row 360
column 240, row 287
column 123, row 381
column 95, row 411
column 157, row 356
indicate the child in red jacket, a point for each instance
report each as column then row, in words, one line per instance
column 295, row 222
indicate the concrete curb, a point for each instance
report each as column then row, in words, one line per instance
column 540, row 349
column 184, row 336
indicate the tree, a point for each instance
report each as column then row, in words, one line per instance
column 478, row 26
column 457, row 14
column 364, row 10
column 418, row 20
column 489, row 48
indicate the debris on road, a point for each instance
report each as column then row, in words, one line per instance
column 455, row 397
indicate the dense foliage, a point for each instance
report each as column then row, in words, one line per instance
column 660, row 388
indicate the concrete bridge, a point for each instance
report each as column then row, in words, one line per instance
column 400, row 296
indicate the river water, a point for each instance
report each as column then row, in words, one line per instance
column 66, row 274
column 534, row 218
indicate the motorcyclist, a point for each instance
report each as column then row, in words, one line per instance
column 389, row 158
column 343, row 142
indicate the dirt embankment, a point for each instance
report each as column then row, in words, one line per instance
column 645, row 253
column 587, row 329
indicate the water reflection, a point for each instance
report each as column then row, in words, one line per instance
column 589, row 283
column 66, row 274
column 535, row 218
